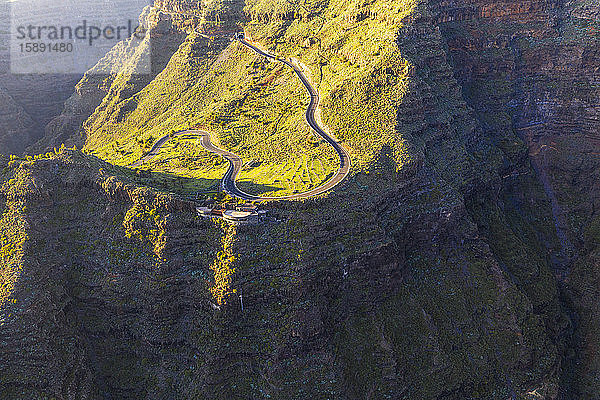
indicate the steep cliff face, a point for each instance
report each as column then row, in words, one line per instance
column 18, row 128
column 102, row 280
column 435, row 271
column 40, row 97
column 132, row 296
column 532, row 68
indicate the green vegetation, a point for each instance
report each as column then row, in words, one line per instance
column 184, row 157
column 431, row 287
column 15, row 183
column 354, row 59
column 222, row 266
column 12, row 239
column 256, row 107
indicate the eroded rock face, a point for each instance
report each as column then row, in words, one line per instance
column 93, row 319
column 436, row 283
column 415, row 284
column 113, row 287
column 17, row 127
column 169, row 22
column 538, row 64
column 114, row 76
column 533, row 67
column 39, row 97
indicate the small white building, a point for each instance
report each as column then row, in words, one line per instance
column 239, row 216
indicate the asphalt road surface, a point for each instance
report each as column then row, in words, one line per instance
column 235, row 162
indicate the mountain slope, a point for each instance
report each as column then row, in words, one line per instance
column 435, row 271
column 17, row 126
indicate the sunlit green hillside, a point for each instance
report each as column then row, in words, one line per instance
column 255, row 107
column 354, row 58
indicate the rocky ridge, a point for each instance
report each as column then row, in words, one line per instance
column 435, row 272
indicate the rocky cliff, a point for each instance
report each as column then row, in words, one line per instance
column 532, row 68
column 17, row 126
column 39, row 99
column 456, row 262
column 132, row 296
column 112, row 82
column 114, row 78
column 29, row 101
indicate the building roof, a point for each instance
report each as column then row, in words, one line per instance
column 236, row 215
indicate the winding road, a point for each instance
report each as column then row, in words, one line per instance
column 235, row 162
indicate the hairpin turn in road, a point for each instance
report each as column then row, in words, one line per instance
column 235, row 162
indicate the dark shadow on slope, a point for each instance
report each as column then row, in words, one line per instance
column 256, row 188
column 188, row 188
